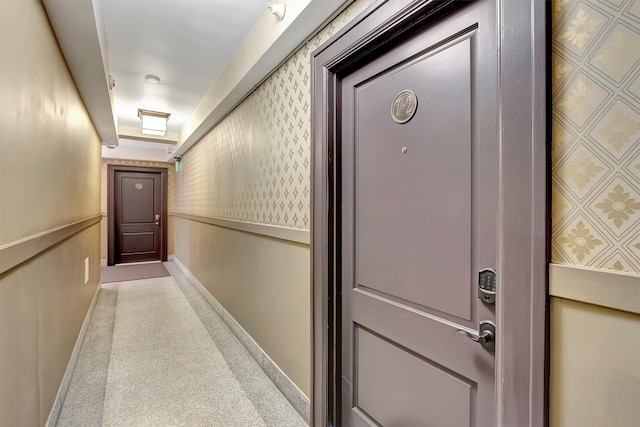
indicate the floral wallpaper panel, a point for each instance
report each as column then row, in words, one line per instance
column 596, row 133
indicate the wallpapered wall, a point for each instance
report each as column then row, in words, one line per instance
column 596, row 133
column 255, row 165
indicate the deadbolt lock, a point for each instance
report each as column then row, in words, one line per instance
column 487, row 285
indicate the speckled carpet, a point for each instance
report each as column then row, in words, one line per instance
column 156, row 354
column 164, row 367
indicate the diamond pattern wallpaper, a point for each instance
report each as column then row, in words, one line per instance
column 596, row 133
column 255, row 165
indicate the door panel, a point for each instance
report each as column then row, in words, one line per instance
column 419, row 220
column 433, row 178
column 137, row 242
column 137, row 201
column 395, row 386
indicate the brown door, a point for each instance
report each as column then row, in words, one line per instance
column 419, row 218
column 139, row 210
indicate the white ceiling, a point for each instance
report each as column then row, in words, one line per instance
column 185, row 43
column 208, row 54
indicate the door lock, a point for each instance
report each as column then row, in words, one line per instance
column 486, row 336
column 157, row 219
column 487, row 285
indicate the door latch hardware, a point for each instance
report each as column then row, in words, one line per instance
column 487, row 285
column 486, row 337
column 157, row 219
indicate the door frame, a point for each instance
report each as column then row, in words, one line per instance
column 521, row 306
column 111, row 225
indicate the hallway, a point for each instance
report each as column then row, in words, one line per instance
column 155, row 353
column 521, row 185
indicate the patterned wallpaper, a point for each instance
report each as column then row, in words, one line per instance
column 596, row 133
column 255, row 165
column 103, row 179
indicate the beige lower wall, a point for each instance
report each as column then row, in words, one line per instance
column 104, row 249
column 43, row 303
column 263, row 282
column 170, row 250
column 595, row 359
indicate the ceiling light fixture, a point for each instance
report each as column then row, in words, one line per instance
column 277, row 9
column 150, row 78
column 153, row 122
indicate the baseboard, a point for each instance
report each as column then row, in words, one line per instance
column 288, row 388
column 54, row 414
column 103, row 263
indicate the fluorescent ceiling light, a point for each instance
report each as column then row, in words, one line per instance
column 153, row 122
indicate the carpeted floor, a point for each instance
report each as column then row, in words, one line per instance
column 164, row 367
column 156, row 354
column 123, row 273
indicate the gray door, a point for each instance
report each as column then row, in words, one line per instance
column 419, row 221
column 138, row 208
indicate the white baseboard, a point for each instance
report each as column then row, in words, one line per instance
column 56, row 409
column 288, row 388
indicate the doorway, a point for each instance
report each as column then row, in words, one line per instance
column 137, row 214
column 429, row 228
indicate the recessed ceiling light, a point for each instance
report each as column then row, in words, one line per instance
column 150, row 78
